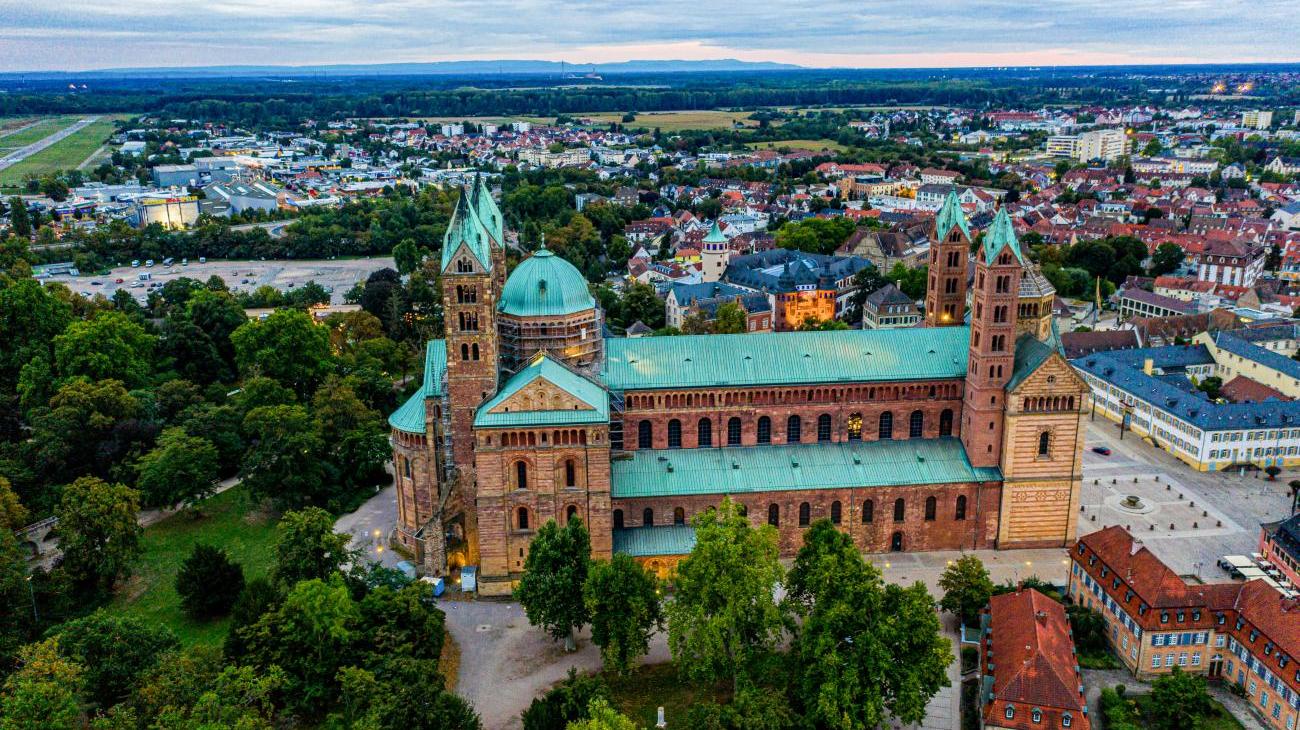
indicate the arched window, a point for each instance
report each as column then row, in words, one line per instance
column 406, row 467
column 674, row 434
column 464, row 351
column 1044, row 443
column 704, row 432
column 900, row 509
column 618, row 519
column 521, row 475
column 836, row 515
column 521, row 518
column 868, row 511
column 853, row 427
column 945, row 422
column 774, row 515
column 824, row 427
column 679, row 516
column 916, row 425
column 793, row 426
column 644, row 435
column 473, row 351
column 896, row 542
column 570, row 473
column 570, row 512
column 733, row 431
column 886, row 426
column 805, row 514
column 647, row 517
column 931, row 506
column 764, row 430
column 960, row 513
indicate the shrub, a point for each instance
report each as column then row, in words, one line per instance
column 564, row 703
column 208, row 582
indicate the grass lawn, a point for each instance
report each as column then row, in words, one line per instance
column 65, row 154
column 812, row 145
column 227, row 521
column 647, row 688
column 14, row 139
column 1218, row 719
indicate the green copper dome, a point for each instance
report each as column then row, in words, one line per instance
column 545, row 285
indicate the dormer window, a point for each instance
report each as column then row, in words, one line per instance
column 1066, row 720
column 1181, row 617
column 1196, row 615
column 1011, row 712
column 1164, row 617
column 1036, row 715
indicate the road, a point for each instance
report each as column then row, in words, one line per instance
column 23, row 153
column 274, row 229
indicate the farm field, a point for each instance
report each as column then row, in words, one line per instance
column 672, row 121
column 812, row 145
column 65, row 154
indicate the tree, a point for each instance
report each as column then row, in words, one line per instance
column 640, row 303
column 1167, row 258
column 966, row 588
column 17, row 623
column 815, row 235
column 13, row 514
column 306, row 547
column 864, row 650
column 730, row 319
column 724, row 614
column 752, row 708
column 401, row 622
column 109, row 346
column 42, row 694
column 1088, row 628
column 19, row 220
column 600, row 716
column 565, row 702
column 98, row 531
column 1212, row 386
column 1180, row 700
column 115, row 650
column 285, row 463
column 622, row 600
column 554, row 574
column 208, row 582
column 287, row 347
column 240, row 697
column 182, row 468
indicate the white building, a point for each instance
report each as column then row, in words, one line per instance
column 1257, row 119
column 1102, row 144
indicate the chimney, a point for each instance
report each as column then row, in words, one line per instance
column 1148, row 365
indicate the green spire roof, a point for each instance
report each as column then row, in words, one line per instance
column 545, row 367
column 486, row 209
column 465, row 229
column 1001, row 235
column 715, row 234
column 951, row 215
column 545, row 285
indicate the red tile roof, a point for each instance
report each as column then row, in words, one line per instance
column 1033, row 660
column 1242, row 388
column 1131, row 561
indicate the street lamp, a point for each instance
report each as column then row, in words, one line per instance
column 32, row 592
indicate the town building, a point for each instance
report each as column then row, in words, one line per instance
column 966, row 436
column 1257, row 119
column 1279, row 543
column 168, row 211
column 801, row 286
column 1232, row 262
column 888, row 307
column 1029, row 673
column 1243, row 633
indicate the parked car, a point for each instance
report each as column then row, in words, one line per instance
column 1101, row 450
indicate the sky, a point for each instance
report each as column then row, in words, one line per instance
column 97, row 34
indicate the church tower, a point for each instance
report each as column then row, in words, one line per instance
column 715, row 255
column 945, row 294
column 485, row 208
column 470, row 270
column 991, row 360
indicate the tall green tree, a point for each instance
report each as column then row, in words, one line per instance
column 98, row 531
column 565, row 702
column 182, row 468
column 730, row 319
column 1167, row 258
column 724, row 614
column 109, row 346
column 966, row 588
column 622, row 600
column 20, row 221
column 307, row 547
column 208, row 582
column 287, row 347
column 1181, row 700
column 554, row 573
column 285, row 462
column 116, row 651
column 44, row 692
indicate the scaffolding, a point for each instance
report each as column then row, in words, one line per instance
column 578, row 340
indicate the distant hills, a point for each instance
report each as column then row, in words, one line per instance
column 444, row 68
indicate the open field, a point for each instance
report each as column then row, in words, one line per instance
column 648, row 687
column 22, row 135
column 65, row 154
column 674, row 121
column 9, row 125
column 812, row 145
column 226, row 521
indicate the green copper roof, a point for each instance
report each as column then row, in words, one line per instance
column 487, row 211
column 545, row 285
column 409, row 417
column 785, row 358
column 545, row 367
column 649, row 542
column 951, row 215
column 1031, row 353
column 749, row 469
column 715, row 234
column 1001, row 235
column 466, row 229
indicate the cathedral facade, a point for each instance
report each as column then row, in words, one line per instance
column 962, row 434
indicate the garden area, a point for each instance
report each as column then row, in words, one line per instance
column 1175, row 702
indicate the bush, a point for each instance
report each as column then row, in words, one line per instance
column 564, row 703
column 1120, row 713
column 970, row 658
column 208, row 582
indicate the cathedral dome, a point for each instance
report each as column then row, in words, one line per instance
column 545, row 285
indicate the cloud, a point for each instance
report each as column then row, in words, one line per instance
column 62, row 34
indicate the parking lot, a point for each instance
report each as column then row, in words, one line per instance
column 337, row 276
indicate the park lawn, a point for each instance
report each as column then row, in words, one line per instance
column 1219, row 719
column 65, row 154
column 227, row 520
column 647, row 688
column 812, row 145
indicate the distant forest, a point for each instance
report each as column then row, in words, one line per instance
column 286, row 101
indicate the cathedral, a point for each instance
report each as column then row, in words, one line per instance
column 964, row 433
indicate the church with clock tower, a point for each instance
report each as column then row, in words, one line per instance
column 965, row 433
